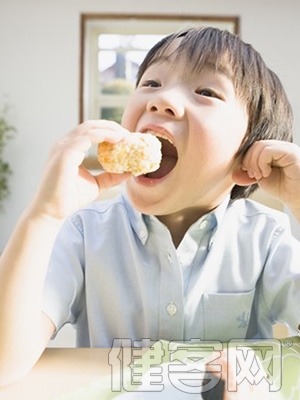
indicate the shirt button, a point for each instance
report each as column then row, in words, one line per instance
column 203, row 224
column 171, row 309
column 143, row 234
column 169, row 257
column 184, row 259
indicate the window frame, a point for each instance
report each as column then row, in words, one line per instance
column 89, row 22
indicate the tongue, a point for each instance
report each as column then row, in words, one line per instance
column 166, row 166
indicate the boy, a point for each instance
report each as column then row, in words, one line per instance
column 182, row 254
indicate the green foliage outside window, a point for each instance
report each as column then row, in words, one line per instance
column 116, row 86
column 6, row 133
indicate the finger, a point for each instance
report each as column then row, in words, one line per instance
column 79, row 140
column 263, row 155
column 100, row 124
column 266, row 160
column 277, row 154
column 102, row 130
column 273, row 152
column 85, row 139
column 106, row 180
column 250, row 161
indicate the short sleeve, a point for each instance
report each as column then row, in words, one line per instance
column 63, row 288
column 280, row 283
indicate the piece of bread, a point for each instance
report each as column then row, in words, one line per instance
column 139, row 153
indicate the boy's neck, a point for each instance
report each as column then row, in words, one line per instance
column 178, row 223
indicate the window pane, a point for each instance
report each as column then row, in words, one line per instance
column 119, row 56
column 106, row 59
column 112, row 113
column 136, row 57
column 109, row 41
column 146, row 41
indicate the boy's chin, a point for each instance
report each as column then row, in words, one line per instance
column 141, row 202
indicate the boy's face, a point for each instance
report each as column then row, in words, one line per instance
column 205, row 121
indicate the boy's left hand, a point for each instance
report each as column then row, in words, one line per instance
column 275, row 166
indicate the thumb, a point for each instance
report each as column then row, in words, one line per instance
column 107, row 180
column 241, row 177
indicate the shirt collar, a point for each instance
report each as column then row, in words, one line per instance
column 139, row 221
column 219, row 212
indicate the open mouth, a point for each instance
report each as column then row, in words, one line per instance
column 168, row 161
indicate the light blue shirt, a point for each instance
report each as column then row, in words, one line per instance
column 115, row 273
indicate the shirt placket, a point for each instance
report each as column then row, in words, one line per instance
column 193, row 250
column 170, row 301
column 171, row 309
column 192, row 254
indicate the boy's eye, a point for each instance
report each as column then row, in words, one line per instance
column 206, row 92
column 150, row 83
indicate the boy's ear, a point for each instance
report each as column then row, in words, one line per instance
column 241, row 177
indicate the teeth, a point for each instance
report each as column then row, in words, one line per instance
column 160, row 135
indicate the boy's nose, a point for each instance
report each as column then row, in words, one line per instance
column 169, row 105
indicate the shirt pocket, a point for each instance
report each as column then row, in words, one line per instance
column 227, row 315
